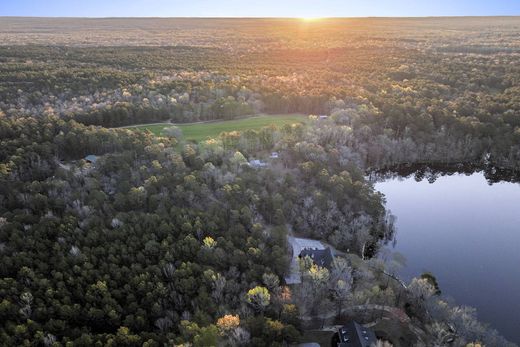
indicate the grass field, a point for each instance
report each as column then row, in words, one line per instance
column 202, row 131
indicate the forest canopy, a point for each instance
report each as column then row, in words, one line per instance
column 160, row 240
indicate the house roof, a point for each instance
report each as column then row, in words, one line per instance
column 320, row 257
column 353, row 334
column 297, row 245
column 91, row 158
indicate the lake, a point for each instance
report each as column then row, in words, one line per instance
column 466, row 232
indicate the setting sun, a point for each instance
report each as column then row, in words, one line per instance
column 310, row 19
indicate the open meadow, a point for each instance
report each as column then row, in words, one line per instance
column 202, row 131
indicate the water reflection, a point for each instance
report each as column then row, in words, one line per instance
column 465, row 229
column 431, row 172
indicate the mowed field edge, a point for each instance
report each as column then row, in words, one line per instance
column 205, row 130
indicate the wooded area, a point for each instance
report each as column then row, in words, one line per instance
column 166, row 241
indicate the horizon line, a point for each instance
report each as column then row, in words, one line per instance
column 266, row 17
column 259, row 17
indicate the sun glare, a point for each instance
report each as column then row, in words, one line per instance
column 310, row 19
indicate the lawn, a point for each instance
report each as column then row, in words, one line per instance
column 202, row 131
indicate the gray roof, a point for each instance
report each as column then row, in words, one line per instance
column 320, row 257
column 91, row 158
column 297, row 245
column 353, row 334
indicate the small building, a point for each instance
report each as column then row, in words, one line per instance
column 322, row 117
column 320, row 257
column 296, row 246
column 275, row 155
column 354, row 334
column 91, row 159
column 257, row 164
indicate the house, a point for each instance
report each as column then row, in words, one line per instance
column 320, row 257
column 275, row 155
column 354, row 334
column 296, row 246
column 91, row 159
column 257, row 164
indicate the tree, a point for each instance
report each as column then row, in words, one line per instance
column 259, row 298
column 239, row 337
column 311, row 294
column 238, row 160
column 207, row 337
column 271, row 281
column 173, row 131
column 228, row 323
column 209, row 242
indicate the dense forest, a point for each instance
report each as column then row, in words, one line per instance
column 423, row 96
column 167, row 241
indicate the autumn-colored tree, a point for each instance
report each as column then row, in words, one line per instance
column 227, row 323
column 259, row 298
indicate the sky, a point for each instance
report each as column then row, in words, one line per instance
column 257, row 8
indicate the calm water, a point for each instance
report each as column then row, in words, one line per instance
column 467, row 233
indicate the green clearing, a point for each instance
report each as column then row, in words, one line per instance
column 201, row 131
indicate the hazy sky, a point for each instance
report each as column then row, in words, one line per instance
column 257, row 8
